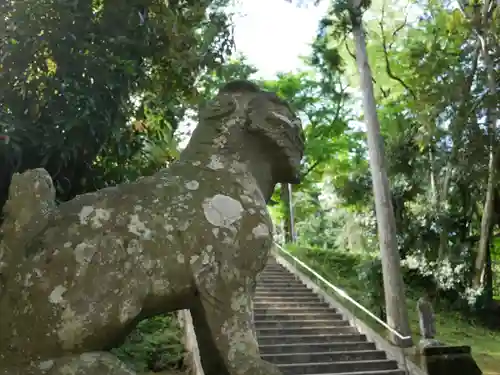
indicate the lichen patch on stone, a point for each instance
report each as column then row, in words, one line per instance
column 215, row 163
column 83, row 253
column 221, row 210
column 46, row 365
column 71, row 329
column 260, row 231
column 138, row 227
column 128, row 310
column 100, row 217
column 84, row 214
column 56, row 296
column 192, row 185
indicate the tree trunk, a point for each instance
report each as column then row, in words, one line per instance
column 488, row 275
column 396, row 309
column 486, row 222
column 487, row 218
column 434, row 189
column 443, row 235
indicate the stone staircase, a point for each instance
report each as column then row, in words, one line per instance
column 302, row 334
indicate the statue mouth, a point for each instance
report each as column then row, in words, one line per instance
column 296, row 179
column 296, row 145
column 291, row 173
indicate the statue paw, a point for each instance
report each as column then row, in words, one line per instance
column 262, row 367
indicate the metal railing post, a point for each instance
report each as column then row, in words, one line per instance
column 292, row 216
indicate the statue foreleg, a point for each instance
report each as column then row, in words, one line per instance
column 232, row 347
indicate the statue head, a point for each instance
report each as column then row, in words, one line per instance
column 259, row 116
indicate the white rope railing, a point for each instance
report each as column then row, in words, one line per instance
column 342, row 293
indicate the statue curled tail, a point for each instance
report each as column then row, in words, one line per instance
column 26, row 213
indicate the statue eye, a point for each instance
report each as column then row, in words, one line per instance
column 282, row 118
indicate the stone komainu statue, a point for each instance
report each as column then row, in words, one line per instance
column 79, row 276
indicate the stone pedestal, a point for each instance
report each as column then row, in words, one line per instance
column 447, row 360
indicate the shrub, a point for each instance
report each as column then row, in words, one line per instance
column 154, row 345
column 370, row 274
column 342, row 262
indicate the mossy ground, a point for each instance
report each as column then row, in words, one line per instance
column 452, row 328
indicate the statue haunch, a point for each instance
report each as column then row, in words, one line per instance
column 194, row 236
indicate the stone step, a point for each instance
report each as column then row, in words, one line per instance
column 327, row 330
column 286, row 304
column 300, row 333
column 292, row 310
column 272, row 280
column 281, row 273
column 297, row 339
column 275, row 271
column 382, row 372
column 280, row 286
column 279, row 289
column 264, row 315
column 300, row 323
column 284, row 293
column 283, row 283
column 277, row 275
column 336, row 367
column 329, row 356
column 272, row 299
column 312, row 300
column 317, row 347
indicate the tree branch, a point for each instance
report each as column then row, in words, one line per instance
column 385, row 48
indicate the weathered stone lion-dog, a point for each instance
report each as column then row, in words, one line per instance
column 195, row 235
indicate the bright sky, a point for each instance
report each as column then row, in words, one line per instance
column 274, row 33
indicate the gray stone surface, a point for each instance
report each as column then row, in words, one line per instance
column 194, row 236
column 427, row 320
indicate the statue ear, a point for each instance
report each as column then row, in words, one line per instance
column 222, row 105
column 257, row 113
column 265, row 115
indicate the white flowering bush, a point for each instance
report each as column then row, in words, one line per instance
column 446, row 274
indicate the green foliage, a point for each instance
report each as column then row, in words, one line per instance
column 208, row 84
column 341, row 262
column 154, row 345
column 370, row 273
column 430, row 81
column 94, row 90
